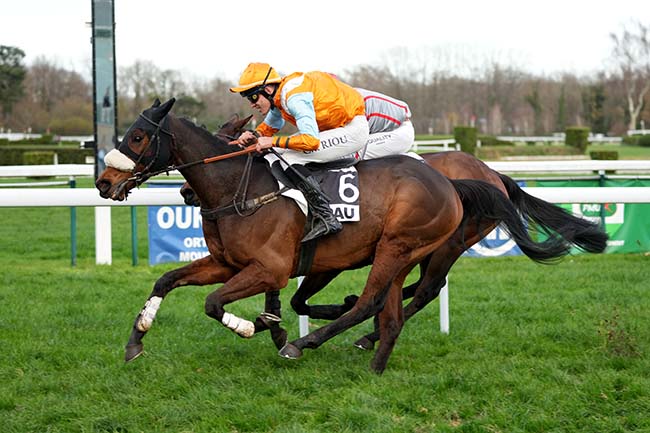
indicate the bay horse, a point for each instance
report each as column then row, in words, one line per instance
column 418, row 210
column 547, row 217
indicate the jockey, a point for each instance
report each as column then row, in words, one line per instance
column 389, row 120
column 329, row 116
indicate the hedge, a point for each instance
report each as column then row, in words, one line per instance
column 578, row 137
column 466, row 136
column 14, row 155
column 498, row 152
column 38, row 158
column 604, row 155
column 644, row 141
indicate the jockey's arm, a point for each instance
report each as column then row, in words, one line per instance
column 301, row 108
column 273, row 122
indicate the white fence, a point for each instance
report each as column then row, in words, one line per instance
column 17, row 136
column 443, row 145
column 47, row 197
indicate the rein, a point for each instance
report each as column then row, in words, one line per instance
column 143, row 176
column 239, row 202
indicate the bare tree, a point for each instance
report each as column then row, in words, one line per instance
column 631, row 53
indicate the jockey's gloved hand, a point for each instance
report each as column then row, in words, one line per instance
column 246, row 139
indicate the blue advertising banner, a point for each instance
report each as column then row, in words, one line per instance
column 175, row 234
column 496, row 244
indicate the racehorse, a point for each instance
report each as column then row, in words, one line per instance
column 255, row 249
column 579, row 232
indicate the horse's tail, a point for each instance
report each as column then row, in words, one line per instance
column 550, row 218
column 483, row 201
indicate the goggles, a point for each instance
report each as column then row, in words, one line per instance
column 253, row 95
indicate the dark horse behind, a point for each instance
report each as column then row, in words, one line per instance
column 417, row 212
column 545, row 217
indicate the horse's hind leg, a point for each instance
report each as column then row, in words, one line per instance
column 371, row 301
column 198, row 273
column 391, row 320
column 313, row 284
column 367, row 342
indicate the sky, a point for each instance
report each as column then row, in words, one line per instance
column 216, row 38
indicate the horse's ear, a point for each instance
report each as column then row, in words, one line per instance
column 241, row 123
column 156, row 103
column 162, row 110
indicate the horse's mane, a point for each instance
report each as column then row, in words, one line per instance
column 214, row 140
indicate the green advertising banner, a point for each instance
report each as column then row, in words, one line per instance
column 627, row 224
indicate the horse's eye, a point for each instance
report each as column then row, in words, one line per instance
column 137, row 138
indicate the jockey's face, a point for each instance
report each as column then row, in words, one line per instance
column 260, row 102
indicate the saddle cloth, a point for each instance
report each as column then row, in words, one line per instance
column 340, row 185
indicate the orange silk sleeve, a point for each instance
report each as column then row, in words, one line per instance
column 265, row 130
column 302, row 142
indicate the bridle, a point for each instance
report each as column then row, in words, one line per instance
column 150, row 167
column 148, row 172
column 239, row 202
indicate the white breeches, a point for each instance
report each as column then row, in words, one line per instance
column 395, row 142
column 334, row 144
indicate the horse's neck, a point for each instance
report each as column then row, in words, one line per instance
column 217, row 182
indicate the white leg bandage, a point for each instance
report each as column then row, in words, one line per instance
column 119, row 161
column 148, row 313
column 242, row 327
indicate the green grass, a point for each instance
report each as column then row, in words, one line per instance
column 532, row 348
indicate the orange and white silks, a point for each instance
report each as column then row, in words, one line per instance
column 335, row 104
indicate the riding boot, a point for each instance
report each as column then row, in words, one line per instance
column 323, row 220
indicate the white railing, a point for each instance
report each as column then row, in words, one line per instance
column 163, row 196
column 572, row 166
column 557, row 139
column 47, row 170
column 17, row 136
column 442, row 145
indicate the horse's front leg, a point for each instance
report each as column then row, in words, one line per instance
column 250, row 281
column 198, row 273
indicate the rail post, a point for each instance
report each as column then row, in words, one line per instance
column 134, row 236
column 73, row 227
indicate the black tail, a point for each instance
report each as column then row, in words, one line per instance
column 553, row 219
column 483, row 201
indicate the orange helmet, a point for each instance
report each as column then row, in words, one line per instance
column 255, row 75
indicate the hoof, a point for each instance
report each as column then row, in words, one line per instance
column 378, row 367
column 364, row 343
column 290, row 351
column 132, row 352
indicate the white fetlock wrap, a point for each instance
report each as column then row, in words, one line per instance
column 148, row 313
column 242, row 327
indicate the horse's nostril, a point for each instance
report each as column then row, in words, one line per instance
column 103, row 186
